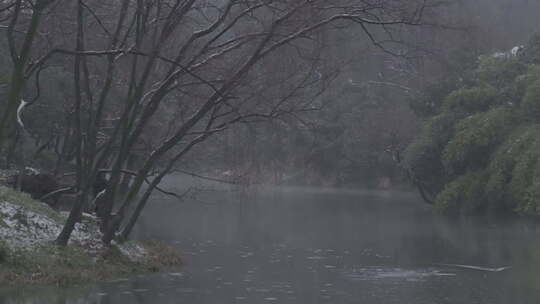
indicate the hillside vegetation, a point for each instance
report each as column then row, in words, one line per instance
column 479, row 148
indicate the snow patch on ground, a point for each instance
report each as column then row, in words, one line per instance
column 26, row 224
column 21, row 228
column 135, row 252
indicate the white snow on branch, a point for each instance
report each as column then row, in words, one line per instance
column 22, row 105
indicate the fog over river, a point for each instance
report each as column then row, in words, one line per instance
column 309, row 246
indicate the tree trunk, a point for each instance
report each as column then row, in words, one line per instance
column 17, row 79
column 74, row 217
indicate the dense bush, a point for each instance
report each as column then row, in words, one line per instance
column 481, row 153
column 423, row 155
column 475, row 138
column 465, row 194
column 531, row 102
column 499, row 72
column 502, row 165
column 470, row 100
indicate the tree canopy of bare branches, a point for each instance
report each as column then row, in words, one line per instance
column 152, row 79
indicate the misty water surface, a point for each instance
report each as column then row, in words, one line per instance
column 308, row 246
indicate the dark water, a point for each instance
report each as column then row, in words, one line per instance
column 311, row 246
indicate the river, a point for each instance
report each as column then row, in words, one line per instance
column 310, row 246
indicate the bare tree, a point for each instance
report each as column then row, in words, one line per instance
column 23, row 20
column 153, row 79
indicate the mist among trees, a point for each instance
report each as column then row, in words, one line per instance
column 108, row 98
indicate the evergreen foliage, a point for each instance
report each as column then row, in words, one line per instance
column 470, row 100
column 481, row 153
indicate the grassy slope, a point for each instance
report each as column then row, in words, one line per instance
column 24, row 200
column 49, row 264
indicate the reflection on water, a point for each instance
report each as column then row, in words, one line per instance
column 312, row 246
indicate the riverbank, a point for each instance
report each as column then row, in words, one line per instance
column 28, row 255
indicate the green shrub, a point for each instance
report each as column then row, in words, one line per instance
column 482, row 151
column 499, row 72
column 521, row 84
column 531, row 102
column 423, row 156
column 525, row 175
column 502, row 165
column 429, row 102
column 532, row 75
column 475, row 138
column 422, row 159
column 470, row 101
column 464, row 195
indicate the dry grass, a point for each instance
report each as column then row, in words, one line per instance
column 162, row 255
column 72, row 265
